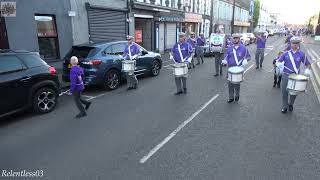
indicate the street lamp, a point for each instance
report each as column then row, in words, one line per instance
column 232, row 21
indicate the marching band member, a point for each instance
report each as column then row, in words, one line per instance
column 199, row 48
column 131, row 52
column 192, row 41
column 261, row 45
column 236, row 55
column 218, row 56
column 291, row 61
column 181, row 52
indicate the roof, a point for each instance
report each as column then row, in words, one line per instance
column 98, row 44
column 14, row 51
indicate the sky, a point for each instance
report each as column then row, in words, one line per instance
column 293, row 11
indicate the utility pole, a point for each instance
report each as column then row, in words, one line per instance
column 232, row 21
column 211, row 22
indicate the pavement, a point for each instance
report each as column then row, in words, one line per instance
column 150, row 134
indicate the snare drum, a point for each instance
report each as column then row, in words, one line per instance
column 297, row 83
column 180, row 69
column 235, row 74
column 128, row 66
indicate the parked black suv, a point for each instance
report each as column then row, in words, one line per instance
column 26, row 82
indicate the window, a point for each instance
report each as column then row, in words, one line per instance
column 117, row 49
column 47, row 36
column 10, row 64
column 32, row 60
column 83, row 51
column 108, row 50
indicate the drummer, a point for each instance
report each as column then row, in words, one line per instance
column 131, row 54
column 236, row 55
column 181, row 51
column 192, row 41
column 291, row 61
column 261, row 45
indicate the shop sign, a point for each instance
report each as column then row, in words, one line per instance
column 138, row 36
column 190, row 17
column 239, row 23
column 170, row 19
column 8, row 9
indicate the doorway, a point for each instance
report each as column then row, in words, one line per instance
column 3, row 35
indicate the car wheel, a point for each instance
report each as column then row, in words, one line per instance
column 155, row 68
column 112, row 80
column 44, row 100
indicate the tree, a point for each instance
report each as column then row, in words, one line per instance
column 256, row 13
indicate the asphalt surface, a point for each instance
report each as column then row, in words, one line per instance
column 201, row 139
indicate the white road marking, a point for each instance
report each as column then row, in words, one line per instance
column 313, row 58
column 94, row 97
column 86, row 96
column 167, row 66
column 271, row 70
column 65, row 92
column 315, row 87
column 179, row 128
column 248, row 68
column 315, row 54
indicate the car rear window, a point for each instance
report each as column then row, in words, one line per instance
column 83, row 51
column 32, row 60
column 10, row 64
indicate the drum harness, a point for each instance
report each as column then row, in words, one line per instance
column 236, row 58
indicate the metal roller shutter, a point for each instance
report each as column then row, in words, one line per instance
column 106, row 25
column 171, row 35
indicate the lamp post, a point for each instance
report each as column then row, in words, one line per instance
column 232, row 21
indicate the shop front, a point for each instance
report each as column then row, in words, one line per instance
column 143, row 30
column 241, row 27
column 192, row 23
column 167, row 27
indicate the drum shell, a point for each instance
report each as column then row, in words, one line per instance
column 235, row 78
column 180, row 69
column 296, row 86
column 128, row 66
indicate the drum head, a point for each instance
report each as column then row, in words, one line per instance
column 298, row 77
column 236, row 70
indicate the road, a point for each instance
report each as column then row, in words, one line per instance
column 150, row 134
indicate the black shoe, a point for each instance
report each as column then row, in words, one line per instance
column 80, row 115
column 88, row 105
column 274, row 85
column 278, row 85
column 237, row 98
column 230, row 100
column 290, row 108
column 284, row 110
column 220, row 73
column 189, row 67
column 178, row 93
column 194, row 66
column 201, row 62
column 198, row 64
column 216, row 75
column 257, row 67
column 129, row 88
column 185, row 91
column 260, row 65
